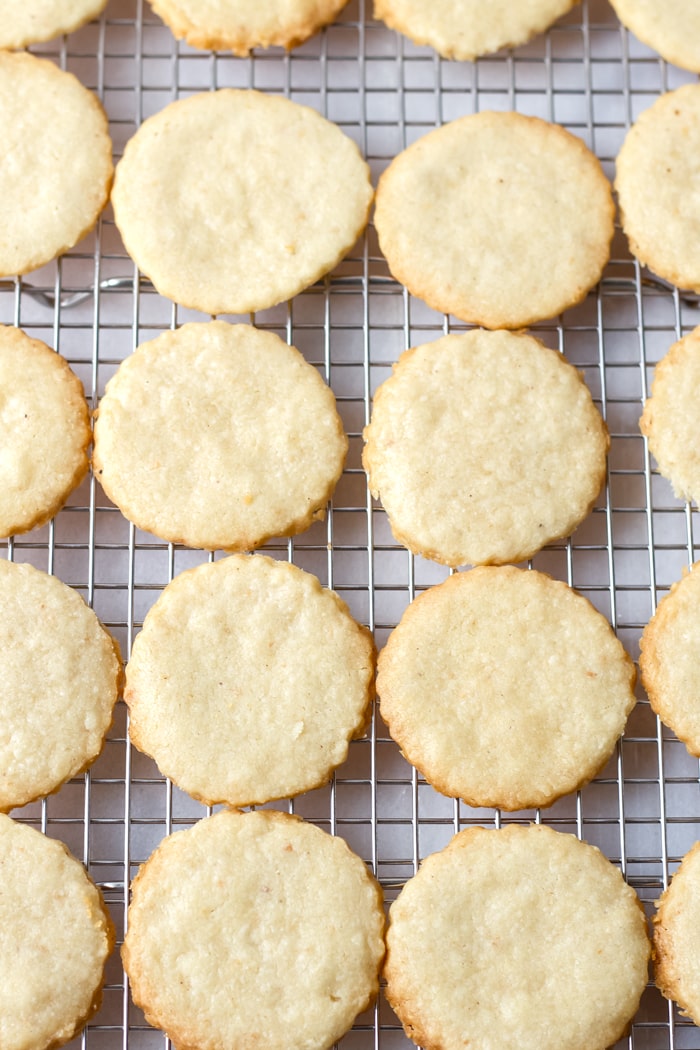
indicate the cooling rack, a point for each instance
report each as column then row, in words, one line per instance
column 586, row 73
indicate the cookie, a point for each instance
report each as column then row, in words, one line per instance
column 242, row 442
column 671, row 27
column 241, row 25
column 252, row 926
column 677, row 937
column 659, row 159
column 465, row 29
column 60, row 673
column 669, row 420
column 55, row 936
column 484, row 446
column 55, row 162
column 670, row 658
column 44, row 432
column 520, row 937
column 232, row 201
column 505, row 687
column 248, row 681
column 35, row 20
column 497, row 218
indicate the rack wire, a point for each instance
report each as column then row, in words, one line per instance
column 586, row 73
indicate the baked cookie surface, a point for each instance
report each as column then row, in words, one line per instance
column 465, row 29
column 474, row 222
column 283, row 928
column 671, row 27
column 219, row 436
column 50, row 194
column 520, row 937
column 505, row 687
column 677, row 937
column 55, row 936
column 232, row 201
column 248, row 681
column 483, row 447
column 31, row 21
column 44, row 432
column 60, row 673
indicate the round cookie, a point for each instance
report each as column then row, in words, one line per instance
column 659, row 160
column 32, row 21
column 669, row 420
column 55, row 162
column 232, row 201
column 670, row 659
column 505, row 687
column 55, row 936
column 243, row 441
column 483, row 447
column 60, row 673
column 518, row 937
column 677, row 937
column 241, row 25
column 465, row 29
column 671, row 27
column 248, row 681
column 475, row 221
column 252, row 926
column 44, row 432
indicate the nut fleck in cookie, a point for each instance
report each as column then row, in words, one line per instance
column 219, row 436
column 44, row 432
column 670, row 417
column 677, row 937
column 248, row 681
column 522, row 937
column 30, row 21
column 241, row 25
column 497, row 218
column 466, row 29
column 671, row 27
column 483, row 447
column 55, row 162
column 60, row 673
column 254, row 929
column 659, row 160
column 55, row 936
column 670, row 660
column 505, row 687
column 232, row 201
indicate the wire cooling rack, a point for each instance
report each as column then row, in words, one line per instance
column 586, row 73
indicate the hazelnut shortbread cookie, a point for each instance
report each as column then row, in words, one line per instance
column 497, row 218
column 44, row 432
column 484, row 446
column 671, row 27
column 248, row 681
column 219, row 436
column 677, row 937
column 232, row 200
column 465, row 29
column 254, row 929
column 55, row 161
column 31, row 21
column 60, row 673
column 505, row 687
column 520, row 937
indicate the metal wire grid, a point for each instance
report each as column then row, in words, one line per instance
column 594, row 78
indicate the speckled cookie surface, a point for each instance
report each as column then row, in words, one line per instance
column 474, row 221
column 232, row 201
column 55, row 162
column 33, row 20
column 670, row 417
column 658, row 162
column 483, row 447
column 219, row 436
column 465, row 29
column 241, row 25
column 59, row 677
column 671, row 27
column 55, row 936
column 519, row 937
column 248, row 681
column 505, row 687
column 677, row 937
column 44, row 432
column 252, row 926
